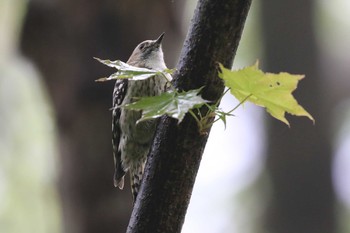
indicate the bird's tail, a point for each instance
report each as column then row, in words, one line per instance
column 119, row 171
column 136, row 173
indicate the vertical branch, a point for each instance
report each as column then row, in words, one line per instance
column 174, row 160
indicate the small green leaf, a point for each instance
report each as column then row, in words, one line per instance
column 126, row 71
column 222, row 116
column 272, row 91
column 174, row 104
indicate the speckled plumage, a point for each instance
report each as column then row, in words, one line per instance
column 131, row 141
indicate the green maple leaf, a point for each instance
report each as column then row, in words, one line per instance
column 174, row 104
column 272, row 91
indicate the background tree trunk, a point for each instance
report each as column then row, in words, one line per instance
column 299, row 158
column 174, row 160
column 62, row 37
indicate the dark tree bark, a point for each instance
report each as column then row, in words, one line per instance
column 299, row 158
column 177, row 150
column 62, row 37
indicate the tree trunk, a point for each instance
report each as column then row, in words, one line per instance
column 177, row 150
column 299, row 158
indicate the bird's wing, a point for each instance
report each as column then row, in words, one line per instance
column 119, row 93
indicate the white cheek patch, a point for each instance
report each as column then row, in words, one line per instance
column 156, row 61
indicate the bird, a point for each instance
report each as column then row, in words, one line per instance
column 131, row 141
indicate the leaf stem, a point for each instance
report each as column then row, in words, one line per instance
column 242, row 102
column 195, row 117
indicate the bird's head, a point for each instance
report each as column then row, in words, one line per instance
column 148, row 54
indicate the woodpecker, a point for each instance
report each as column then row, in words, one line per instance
column 131, row 142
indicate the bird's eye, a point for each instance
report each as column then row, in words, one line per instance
column 142, row 46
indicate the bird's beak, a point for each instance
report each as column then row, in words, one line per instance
column 159, row 39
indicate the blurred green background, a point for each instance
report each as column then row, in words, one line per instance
column 56, row 164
